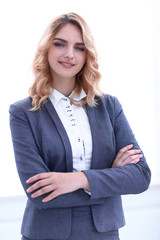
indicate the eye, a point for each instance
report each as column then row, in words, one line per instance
column 80, row 48
column 58, row 44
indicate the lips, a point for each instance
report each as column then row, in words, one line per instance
column 66, row 64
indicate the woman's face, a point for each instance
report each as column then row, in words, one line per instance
column 67, row 54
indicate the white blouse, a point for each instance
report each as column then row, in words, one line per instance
column 76, row 124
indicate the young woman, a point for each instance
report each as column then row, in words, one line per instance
column 74, row 149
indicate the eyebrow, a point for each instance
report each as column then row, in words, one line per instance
column 63, row 40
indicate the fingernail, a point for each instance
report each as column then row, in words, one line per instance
column 29, row 190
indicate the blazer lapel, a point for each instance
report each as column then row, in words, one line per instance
column 103, row 141
column 60, row 128
column 92, row 121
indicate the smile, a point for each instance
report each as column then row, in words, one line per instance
column 67, row 64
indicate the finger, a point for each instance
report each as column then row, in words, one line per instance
column 42, row 191
column 131, row 156
column 133, row 151
column 132, row 159
column 38, row 177
column 39, row 184
column 123, row 150
column 130, row 153
column 50, row 196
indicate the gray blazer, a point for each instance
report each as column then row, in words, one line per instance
column 41, row 145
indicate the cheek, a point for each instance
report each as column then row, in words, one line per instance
column 50, row 61
column 53, row 53
column 50, row 56
column 82, row 59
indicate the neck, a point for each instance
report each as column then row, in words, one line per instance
column 64, row 86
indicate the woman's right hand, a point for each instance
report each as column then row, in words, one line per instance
column 127, row 155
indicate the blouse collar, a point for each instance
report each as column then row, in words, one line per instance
column 56, row 96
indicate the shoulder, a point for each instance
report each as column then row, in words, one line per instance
column 109, row 99
column 21, row 105
column 110, row 106
column 111, row 103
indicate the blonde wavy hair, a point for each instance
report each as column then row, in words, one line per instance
column 89, row 76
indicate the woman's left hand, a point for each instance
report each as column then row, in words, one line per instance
column 127, row 155
column 56, row 184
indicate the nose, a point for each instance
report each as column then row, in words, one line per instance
column 69, row 53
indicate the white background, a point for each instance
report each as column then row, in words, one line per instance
column 126, row 33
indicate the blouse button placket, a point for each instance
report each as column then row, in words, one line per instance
column 72, row 119
column 70, row 112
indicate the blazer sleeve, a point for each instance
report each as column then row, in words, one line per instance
column 120, row 180
column 29, row 162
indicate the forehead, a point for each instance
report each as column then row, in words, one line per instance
column 70, row 32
